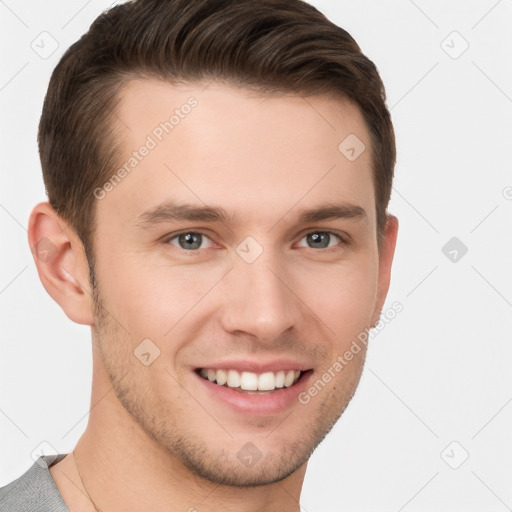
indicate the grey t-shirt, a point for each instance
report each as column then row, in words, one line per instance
column 35, row 490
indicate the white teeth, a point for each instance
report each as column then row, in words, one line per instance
column 280, row 379
column 222, row 377
column 267, row 381
column 249, row 381
column 288, row 380
column 233, row 379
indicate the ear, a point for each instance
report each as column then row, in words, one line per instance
column 61, row 263
column 387, row 252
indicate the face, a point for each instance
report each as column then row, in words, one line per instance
column 241, row 246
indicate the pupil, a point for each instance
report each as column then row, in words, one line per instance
column 190, row 241
column 319, row 239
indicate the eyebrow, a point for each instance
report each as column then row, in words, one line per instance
column 169, row 211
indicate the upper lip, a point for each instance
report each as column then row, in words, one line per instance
column 248, row 365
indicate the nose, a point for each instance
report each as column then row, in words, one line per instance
column 258, row 300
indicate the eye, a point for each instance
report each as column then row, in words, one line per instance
column 320, row 239
column 190, row 241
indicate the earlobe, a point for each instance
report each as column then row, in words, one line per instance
column 385, row 263
column 61, row 263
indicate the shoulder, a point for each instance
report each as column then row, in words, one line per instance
column 35, row 490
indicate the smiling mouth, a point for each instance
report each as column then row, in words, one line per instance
column 249, row 382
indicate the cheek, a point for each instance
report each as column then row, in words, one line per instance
column 149, row 297
column 343, row 296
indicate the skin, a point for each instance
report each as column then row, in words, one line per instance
column 155, row 438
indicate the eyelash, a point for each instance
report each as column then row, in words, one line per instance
column 342, row 239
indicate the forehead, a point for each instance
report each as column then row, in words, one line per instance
column 244, row 150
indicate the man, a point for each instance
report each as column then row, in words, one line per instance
column 218, row 174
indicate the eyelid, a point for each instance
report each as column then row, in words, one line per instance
column 344, row 237
column 199, row 231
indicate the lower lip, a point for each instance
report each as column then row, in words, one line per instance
column 269, row 403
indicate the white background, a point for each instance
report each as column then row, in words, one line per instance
column 438, row 373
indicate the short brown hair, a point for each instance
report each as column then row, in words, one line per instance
column 275, row 46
